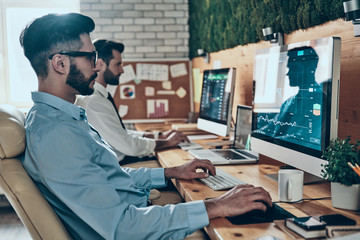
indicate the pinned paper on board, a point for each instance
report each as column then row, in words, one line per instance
column 127, row 91
column 178, row 70
column 128, row 75
column 137, row 81
column 165, row 92
column 181, row 92
column 197, row 77
column 149, row 91
column 152, row 72
column 111, row 89
column 157, row 108
column 123, row 110
column 166, row 85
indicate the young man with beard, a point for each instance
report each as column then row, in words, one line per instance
column 130, row 146
column 77, row 171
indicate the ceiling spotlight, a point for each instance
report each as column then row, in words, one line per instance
column 205, row 55
column 352, row 13
column 274, row 38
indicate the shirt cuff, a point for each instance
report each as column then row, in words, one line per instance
column 158, row 178
column 198, row 217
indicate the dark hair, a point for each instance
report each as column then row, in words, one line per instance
column 53, row 33
column 300, row 53
column 105, row 47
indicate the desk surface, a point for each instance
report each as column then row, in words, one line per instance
column 254, row 174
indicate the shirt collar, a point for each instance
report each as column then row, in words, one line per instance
column 58, row 103
column 100, row 89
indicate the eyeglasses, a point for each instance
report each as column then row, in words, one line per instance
column 92, row 56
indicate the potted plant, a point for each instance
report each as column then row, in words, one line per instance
column 345, row 182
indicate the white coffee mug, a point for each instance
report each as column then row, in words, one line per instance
column 290, row 185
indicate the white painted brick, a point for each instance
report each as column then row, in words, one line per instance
column 124, row 35
column 122, row 6
column 145, row 49
column 102, row 35
column 102, row 21
column 153, row 1
column 153, row 14
column 92, row 14
column 182, row 21
column 154, row 28
column 133, row 28
column 84, row 6
column 145, row 35
column 154, row 55
column 110, row 14
column 112, row 28
column 144, row 7
column 182, row 49
column 124, row 21
column 165, row 21
column 129, row 49
column 174, row 14
column 109, row 1
column 133, row 14
column 165, row 7
column 89, row 1
column 176, row 55
column 182, row 7
column 132, row 1
column 174, row 1
column 166, row 35
column 173, row 42
column 174, row 28
column 101, row 6
column 166, row 49
column 182, row 35
column 144, row 21
column 153, row 42
column 133, row 55
column 132, row 42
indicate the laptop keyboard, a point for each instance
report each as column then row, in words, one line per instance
column 229, row 154
column 247, row 154
column 221, row 181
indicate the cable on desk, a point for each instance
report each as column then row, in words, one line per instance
column 305, row 199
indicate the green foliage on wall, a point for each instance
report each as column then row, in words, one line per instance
column 221, row 24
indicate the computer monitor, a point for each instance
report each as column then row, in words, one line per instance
column 216, row 101
column 295, row 105
column 243, row 127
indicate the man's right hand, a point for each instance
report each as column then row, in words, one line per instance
column 237, row 201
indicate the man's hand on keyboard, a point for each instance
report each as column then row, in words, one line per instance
column 239, row 200
column 188, row 171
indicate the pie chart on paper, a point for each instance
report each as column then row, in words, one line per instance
column 127, row 92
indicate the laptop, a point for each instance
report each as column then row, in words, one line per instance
column 240, row 152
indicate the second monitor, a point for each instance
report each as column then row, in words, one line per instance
column 216, row 101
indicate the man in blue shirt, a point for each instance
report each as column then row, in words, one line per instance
column 78, row 172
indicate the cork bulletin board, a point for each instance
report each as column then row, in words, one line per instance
column 155, row 90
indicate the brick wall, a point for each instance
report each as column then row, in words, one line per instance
column 148, row 28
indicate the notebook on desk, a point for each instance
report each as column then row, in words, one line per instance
column 238, row 153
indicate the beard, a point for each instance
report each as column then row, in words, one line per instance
column 78, row 81
column 110, row 78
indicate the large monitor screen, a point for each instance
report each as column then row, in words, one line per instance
column 216, row 101
column 296, row 97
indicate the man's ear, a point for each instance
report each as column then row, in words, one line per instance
column 59, row 64
column 102, row 65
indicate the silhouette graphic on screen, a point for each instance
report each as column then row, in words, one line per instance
column 300, row 117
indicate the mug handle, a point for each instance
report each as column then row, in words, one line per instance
column 289, row 189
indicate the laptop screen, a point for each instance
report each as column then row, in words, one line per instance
column 243, row 127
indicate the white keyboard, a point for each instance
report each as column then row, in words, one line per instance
column 189, row 145
column 221, row 181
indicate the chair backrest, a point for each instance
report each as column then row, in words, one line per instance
column 28, row 202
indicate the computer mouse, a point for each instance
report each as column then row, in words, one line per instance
column 260, row 214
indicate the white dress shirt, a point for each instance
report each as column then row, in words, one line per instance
column 102, row 116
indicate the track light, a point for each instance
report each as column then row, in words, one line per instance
column 274, row 38
column 352, row 13
column 204, row 54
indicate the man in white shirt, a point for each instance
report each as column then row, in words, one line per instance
column 102, row 113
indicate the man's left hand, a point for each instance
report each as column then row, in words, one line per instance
column 188, row 171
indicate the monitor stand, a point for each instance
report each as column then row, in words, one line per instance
column 308, row 178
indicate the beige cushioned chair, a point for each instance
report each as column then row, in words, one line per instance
column 23, row 195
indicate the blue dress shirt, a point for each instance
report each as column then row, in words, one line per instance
column 79, row 175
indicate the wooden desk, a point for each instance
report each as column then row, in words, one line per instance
column 255, row 174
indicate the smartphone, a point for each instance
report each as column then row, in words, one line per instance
column 320, row 222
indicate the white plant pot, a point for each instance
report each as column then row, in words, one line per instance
column 345, row 197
